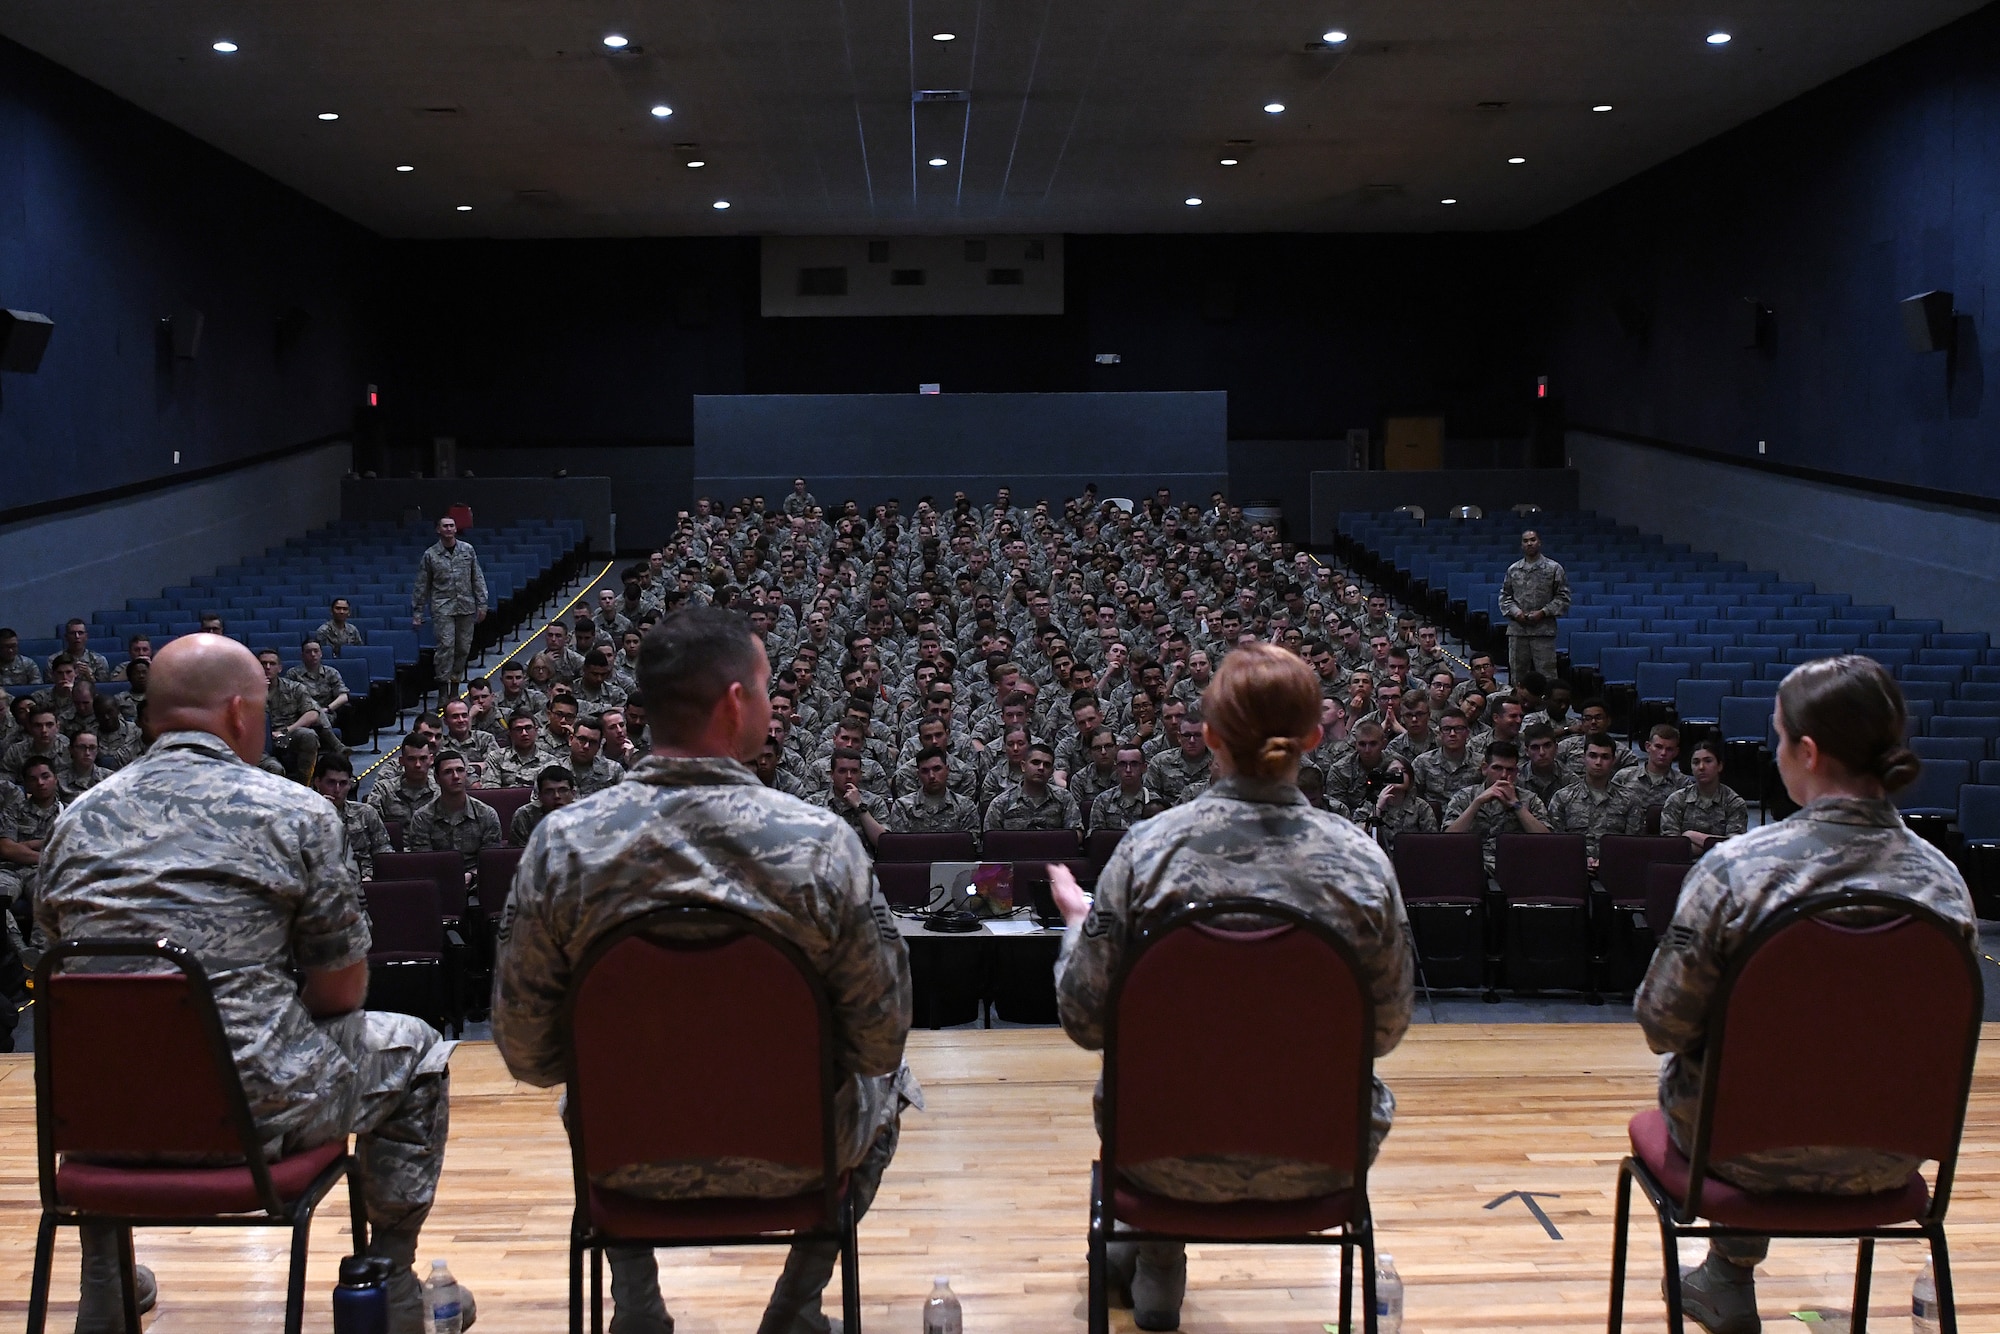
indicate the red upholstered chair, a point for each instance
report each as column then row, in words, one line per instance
column 1444, row 891
column 416, row 962
column 1029, row 845
column 1625, row 935
column 1890, row 1013
column 505, row 801
column 716, row 1047
column 1099, row 846
column 462, row 910
column 1544, row 882
column 496, row 877
column 927, row 848
column 1192, row 1066
column 1663, row 895
column 98, row 1037
column 904, row 884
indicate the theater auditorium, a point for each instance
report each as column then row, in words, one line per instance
column 951, row 667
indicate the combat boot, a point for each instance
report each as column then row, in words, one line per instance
column 636, row 1307
column 406, row 1290
column 1721, row 1297
column 100, row 1306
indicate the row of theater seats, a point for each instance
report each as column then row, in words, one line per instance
column 277, row 599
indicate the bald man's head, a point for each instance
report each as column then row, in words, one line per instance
column 206, row 683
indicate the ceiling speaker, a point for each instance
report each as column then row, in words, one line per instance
column 24, row 336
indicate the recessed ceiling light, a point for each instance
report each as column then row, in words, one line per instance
column 329, row 115
column 406, row 167
column 1192, row 201
column 1602, row 106
column 1447, row 201
column 1333, row 37
column 938, row 162
column 1516, row 161
column 227, row 48
column 1274, row 107
column 663, row 111
column 616, row 42
column 1718, row 39
column 697, row 162
column 943, row 36
column 721, row 203
column 465, row 208
column 1230, row 161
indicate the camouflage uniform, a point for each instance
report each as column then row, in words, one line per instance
column 18, row 754
column 1569, row 754
column 1413, row 814
column 258, row 886
column 366, row 836
column 1594, row 812
column 1646, row 790
column 599, row 774
column 593, row 700
column 567, row 665
column 23, row 671
column 90, row 665
column 1834, row 843
column 325, row 684
column 24, row 822
column 333, row 638
column 1347, row 782
column 1171, row 774
column 1542, row 785
column 507, row 767
column 393, row 801
column 705, row 832
column 1013, row 808
column 1725, row 815
column 464, row 831
column 1251, row 838
column 286, row 703
column 1440, row 777
column 917, row 813
column 1114, row 810
column 70, row 785
column 864, row 800
column 117, row 749
column 1087, row 784
column 455, row 587
column 1533, row 585
column 478, row 749
column 1493, row 819
column 1408, row 748
column 522, row 826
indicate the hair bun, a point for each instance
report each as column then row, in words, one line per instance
column 1276, row 753
column 1898, row 768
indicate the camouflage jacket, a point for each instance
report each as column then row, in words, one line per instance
column 333, row 638
column 1013, row 808
column 1724, row 815
column 1242, row 837
column 599, row 774
column 918, row 814
column 249, row 872
column 506, row 767
column 1534, row 585
column 287, row 702
column 1832, row 844
column 324, row 685
column 449, row 582
column 366, row 835
column 1413, row 814
column 705, row 832
column 1492, row 820
column 1649, row 789
column 393, row 801
column 465, row 831
column 1595, row 812
column 1440, row 777
column 1171, row 773
column 1114, row 810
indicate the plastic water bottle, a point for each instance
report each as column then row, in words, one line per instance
column 1388, row 1296
column 361, row 1300
column 443, row 1306
column 1924, row 1303
column 941, row 1310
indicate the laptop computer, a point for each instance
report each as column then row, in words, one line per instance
column 984, row 889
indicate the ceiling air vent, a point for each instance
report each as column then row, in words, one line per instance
column 941, row 95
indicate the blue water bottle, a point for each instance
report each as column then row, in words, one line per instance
column 361, row 1299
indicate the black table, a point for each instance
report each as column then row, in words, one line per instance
column 959, row 977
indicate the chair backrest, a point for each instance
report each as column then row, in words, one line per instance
column 1099, row 846
column 1936, row 788
column 1194, row 1067
column 697, row 1033
column 1985, row 729
column 927, row 848
column 1021, row 845
column 101, row 1035
column 505, row 801
column 1700, row 701
column 904, row 884
column 1979, row 810
column 1896, row 1005
column 1541, row 868
column 1935, row 747
column 496, row 875
column 404, row 916
column 1623, row 861
column 1663, row 894
column 445, row 869
column 1430, row 867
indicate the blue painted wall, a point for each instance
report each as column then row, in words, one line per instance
column 111, row 219
column 1879, row 185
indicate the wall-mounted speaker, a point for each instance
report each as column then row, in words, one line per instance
column 1927, row 322
column 184, row 331
column 24, row 336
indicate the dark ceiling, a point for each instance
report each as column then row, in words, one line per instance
column 1097, row 117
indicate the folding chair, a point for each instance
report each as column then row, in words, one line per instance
column 1189, row 1069
column 1896, row 1006
column 1544, row 897
column 697, row 1033
column 1443, row 880
column 99, row 1037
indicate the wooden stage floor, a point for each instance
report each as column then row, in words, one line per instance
column 989, row 1187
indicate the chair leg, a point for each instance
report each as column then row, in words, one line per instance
column 575, row 1284
column 1371, row 1299
column 596, row 1290
column 1346, row 1290
column 128, row 1281
column 1621, row 1223
column 1941, row 1275
column 357, row 1206
column 1864, row 1264
column 295, row 1282
column 1097, row 1297
column 1670, row 1252
column 38, row 1288
column 850, row 1268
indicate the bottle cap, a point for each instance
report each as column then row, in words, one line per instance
column 942, row 1280
column 356, row 1271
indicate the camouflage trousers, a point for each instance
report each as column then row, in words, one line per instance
column 794, row 1307
column 1530, row 653
column 397, row 1108
column 454, row 646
